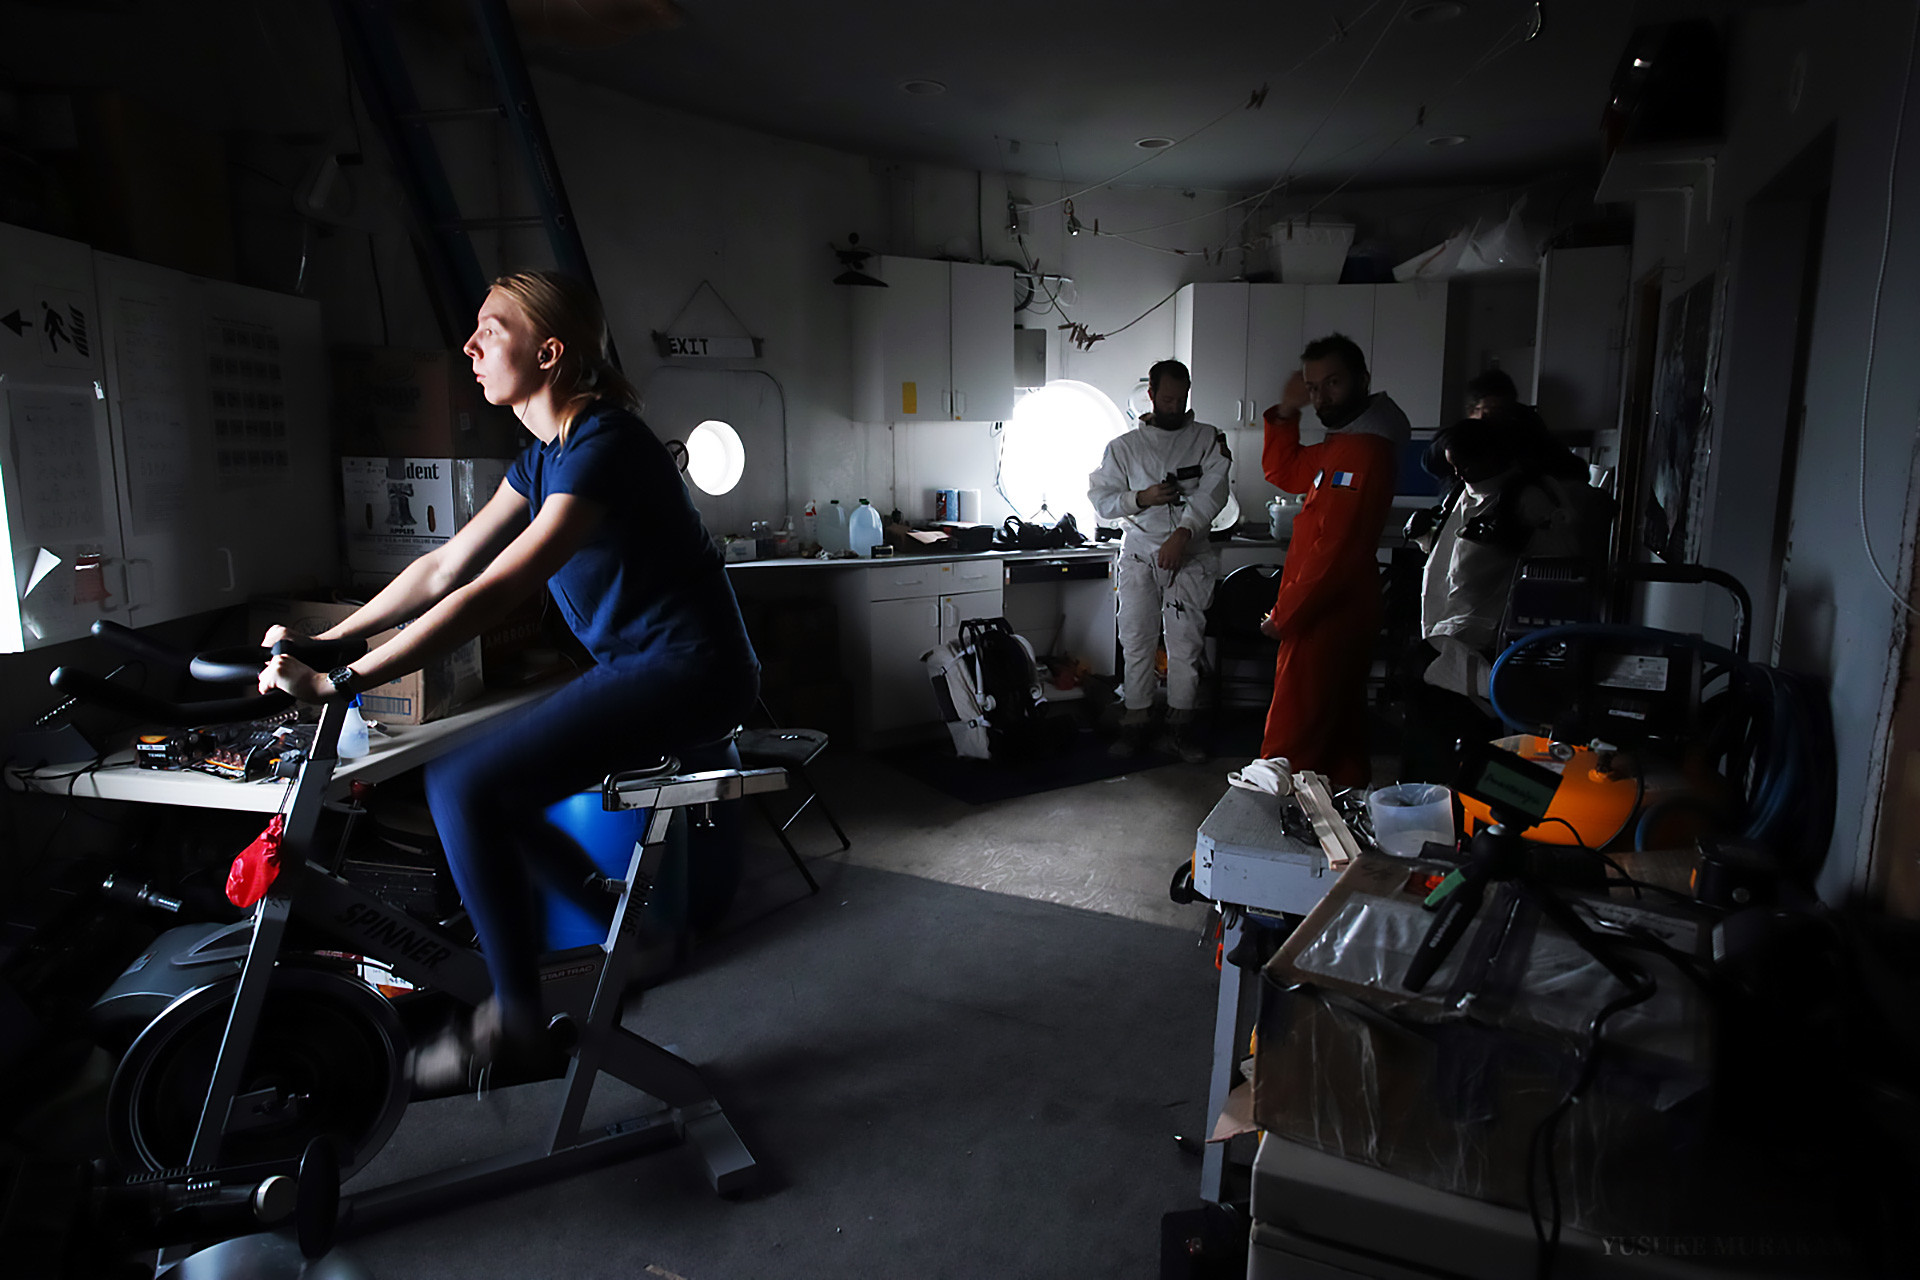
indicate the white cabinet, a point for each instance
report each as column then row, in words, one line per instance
column 166, row 445
column 965, row 607
column 63, row 551
column 981, row 342
column 1409, row 352
column 891, row 615
column 935, row 345
column 1339, row 308
column 1210, row 338
column 218, row 399
column 1579, row 338
column 1243, row 341
column 899, row 634
column 1276, row 330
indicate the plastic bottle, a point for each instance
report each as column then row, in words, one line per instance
column 864, row 529
column 833, row 530
column 353, row 734
column 810, row 523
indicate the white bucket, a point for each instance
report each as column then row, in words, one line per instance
column 1309, row 252
column 1409, row 814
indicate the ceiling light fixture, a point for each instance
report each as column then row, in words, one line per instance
column 1153, row 144
column 1438, row 11
column 922, row 88
column 1447, row 140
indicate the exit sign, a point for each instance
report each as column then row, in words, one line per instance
column 689, row 346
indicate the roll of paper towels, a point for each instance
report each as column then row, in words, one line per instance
column 970, row 505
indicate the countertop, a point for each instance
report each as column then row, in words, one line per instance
column 1091, row 551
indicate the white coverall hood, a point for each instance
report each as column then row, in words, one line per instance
column 1382, row 417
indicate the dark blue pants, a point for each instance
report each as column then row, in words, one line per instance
column 489, row 798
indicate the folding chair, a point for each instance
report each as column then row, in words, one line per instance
column 792, row 750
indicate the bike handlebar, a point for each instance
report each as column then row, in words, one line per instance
column 223, row 666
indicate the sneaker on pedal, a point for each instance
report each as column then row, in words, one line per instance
column 460, row 1057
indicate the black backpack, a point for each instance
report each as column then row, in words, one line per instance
column 1020, row 725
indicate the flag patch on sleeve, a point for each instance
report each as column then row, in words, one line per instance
column 1344, row 479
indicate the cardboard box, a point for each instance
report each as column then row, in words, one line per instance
column 436, row 690
column 402, row 402
column 1452, row 1094
column 396, row 509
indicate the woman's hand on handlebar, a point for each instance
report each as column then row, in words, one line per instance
column 290, row 675
column 277, row 633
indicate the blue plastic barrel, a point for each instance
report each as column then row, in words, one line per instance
column 698, row 876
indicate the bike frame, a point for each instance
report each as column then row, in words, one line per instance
column 428, row 958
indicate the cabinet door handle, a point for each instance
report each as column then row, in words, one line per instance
column 226, row 554
column 959, row 405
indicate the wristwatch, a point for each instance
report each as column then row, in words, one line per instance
column 343, row 679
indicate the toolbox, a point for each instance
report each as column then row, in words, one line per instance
column 1244, row 856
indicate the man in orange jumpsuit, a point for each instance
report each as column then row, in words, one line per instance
column 1327, row 616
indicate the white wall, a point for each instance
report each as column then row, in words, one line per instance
column 1844, row 627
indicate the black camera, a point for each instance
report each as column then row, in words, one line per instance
column 1175, row 477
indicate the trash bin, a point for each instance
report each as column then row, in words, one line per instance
column 1409, row 814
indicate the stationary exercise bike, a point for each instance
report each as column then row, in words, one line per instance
column 258, row 1037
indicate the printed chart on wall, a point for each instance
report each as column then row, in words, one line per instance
column 155, row 415
column 60, row 519
column 246, row 390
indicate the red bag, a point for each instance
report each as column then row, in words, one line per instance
column 254, row 870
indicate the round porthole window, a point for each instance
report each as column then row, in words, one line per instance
column 1053, row 441
column 715, row 457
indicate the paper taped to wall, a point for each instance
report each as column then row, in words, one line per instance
column 43, row 564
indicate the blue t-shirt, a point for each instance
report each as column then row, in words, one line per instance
column 650, row 583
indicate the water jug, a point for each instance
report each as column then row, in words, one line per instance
column 863, row 529
column 833, row 529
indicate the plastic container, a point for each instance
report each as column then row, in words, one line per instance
column 698, row 877
column 833, row 529
column 353, row 734
column 1309, row 252
column 863, row 529
column 810, row 524
column 1280, row 514
column 1409, row 814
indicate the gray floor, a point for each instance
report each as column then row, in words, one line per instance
column 967, row 1056
column 1108, row 846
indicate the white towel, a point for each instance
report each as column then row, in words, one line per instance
column 1274, row 776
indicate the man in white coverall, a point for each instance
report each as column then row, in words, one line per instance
column 1164, row 481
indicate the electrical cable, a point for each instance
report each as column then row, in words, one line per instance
column 1540, row 1146
column 1501, row 45
column 1258, row 98
column 1873, row 317
column 1778, row 732
column 1084, row 338
column 1420, row 120
column 1579, row 842
column 1340, row 97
